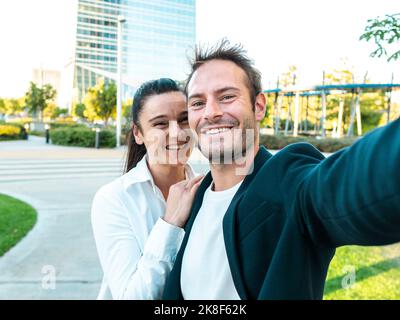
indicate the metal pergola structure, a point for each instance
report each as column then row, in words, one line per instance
column 323, row 92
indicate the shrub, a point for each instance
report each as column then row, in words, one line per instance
column 37, row 133
column 107, row 139
column 323, row 145
column 9, row 131
column 82, row 137
column 66, row 124
column 12, row 132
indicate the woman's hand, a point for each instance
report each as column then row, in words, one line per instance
column 180, row 199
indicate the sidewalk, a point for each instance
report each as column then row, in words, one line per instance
column 53, row 179
column 61, row 241
column 37, row 148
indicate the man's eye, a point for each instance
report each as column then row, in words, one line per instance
column 227, row 97
column 197, row 104
column 184, row 120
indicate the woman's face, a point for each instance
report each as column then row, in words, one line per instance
column 164, row 129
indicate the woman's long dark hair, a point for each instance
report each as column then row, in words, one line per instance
column 137, row 151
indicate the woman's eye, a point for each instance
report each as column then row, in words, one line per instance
column 160, row 124
column 185, row 120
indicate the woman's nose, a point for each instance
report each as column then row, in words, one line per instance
column 174, row 129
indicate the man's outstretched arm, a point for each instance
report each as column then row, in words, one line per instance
column 353, row 197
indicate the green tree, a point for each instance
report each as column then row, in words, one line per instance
column 79, row 110
column 37, row 99
column 61, row 112
column 288, row 78
column 50, row 111
column 13, row 106
column 385, row 32
column 372, row 104
column 53, row 112
column 126, row 110
column 2, row 106
column 341, row 75
column 101, row 101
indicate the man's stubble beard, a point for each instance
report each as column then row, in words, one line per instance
column 237, row 151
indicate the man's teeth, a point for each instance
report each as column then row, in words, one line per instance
column 217, row 130
column 175, row 147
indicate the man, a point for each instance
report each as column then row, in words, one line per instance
column 271, row 234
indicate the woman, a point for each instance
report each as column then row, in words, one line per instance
column 137, row 231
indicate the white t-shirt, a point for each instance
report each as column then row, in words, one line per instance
column 205, row 273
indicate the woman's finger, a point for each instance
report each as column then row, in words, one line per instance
column 194, row 181
column 196, row 185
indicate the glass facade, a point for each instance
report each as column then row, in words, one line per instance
column 156, row 37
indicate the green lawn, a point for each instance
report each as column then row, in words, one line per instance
column 377, row 273
column 16, row 219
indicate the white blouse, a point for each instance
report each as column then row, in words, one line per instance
column 137, row 249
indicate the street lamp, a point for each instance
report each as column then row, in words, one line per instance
column 97, row 137
column 47, row 132
column 121, row 21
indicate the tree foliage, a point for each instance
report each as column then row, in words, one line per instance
column 79, row 110
column 53, row 112
column 101, row 101
column 343, row 74
column 385, row 32
column 12, row 106
column 37, row 99
column 2, row 106
column 288, row 78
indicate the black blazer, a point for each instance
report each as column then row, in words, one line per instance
column 288, row 216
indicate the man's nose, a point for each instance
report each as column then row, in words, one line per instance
column 212, row 110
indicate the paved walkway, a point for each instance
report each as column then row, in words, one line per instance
column 59, row 182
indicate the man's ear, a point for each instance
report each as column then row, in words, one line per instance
column 137, row 134
column 260, row 106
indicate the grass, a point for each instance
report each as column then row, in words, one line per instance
column 16, row 219
column 377, row 273
column 10, row 138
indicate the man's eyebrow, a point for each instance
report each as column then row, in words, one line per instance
column 218, row 91
column 195, row 95
column 158, row 117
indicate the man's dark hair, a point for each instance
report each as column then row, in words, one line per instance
column 235, row 53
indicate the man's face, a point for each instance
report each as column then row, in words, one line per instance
column 221, row 112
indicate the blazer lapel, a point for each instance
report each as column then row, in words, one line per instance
column 229, row 223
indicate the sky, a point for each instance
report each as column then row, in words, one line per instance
column 313, row 35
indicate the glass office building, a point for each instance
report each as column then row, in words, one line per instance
column 157, row 36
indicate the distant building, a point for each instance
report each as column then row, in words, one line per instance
column 157, row 35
